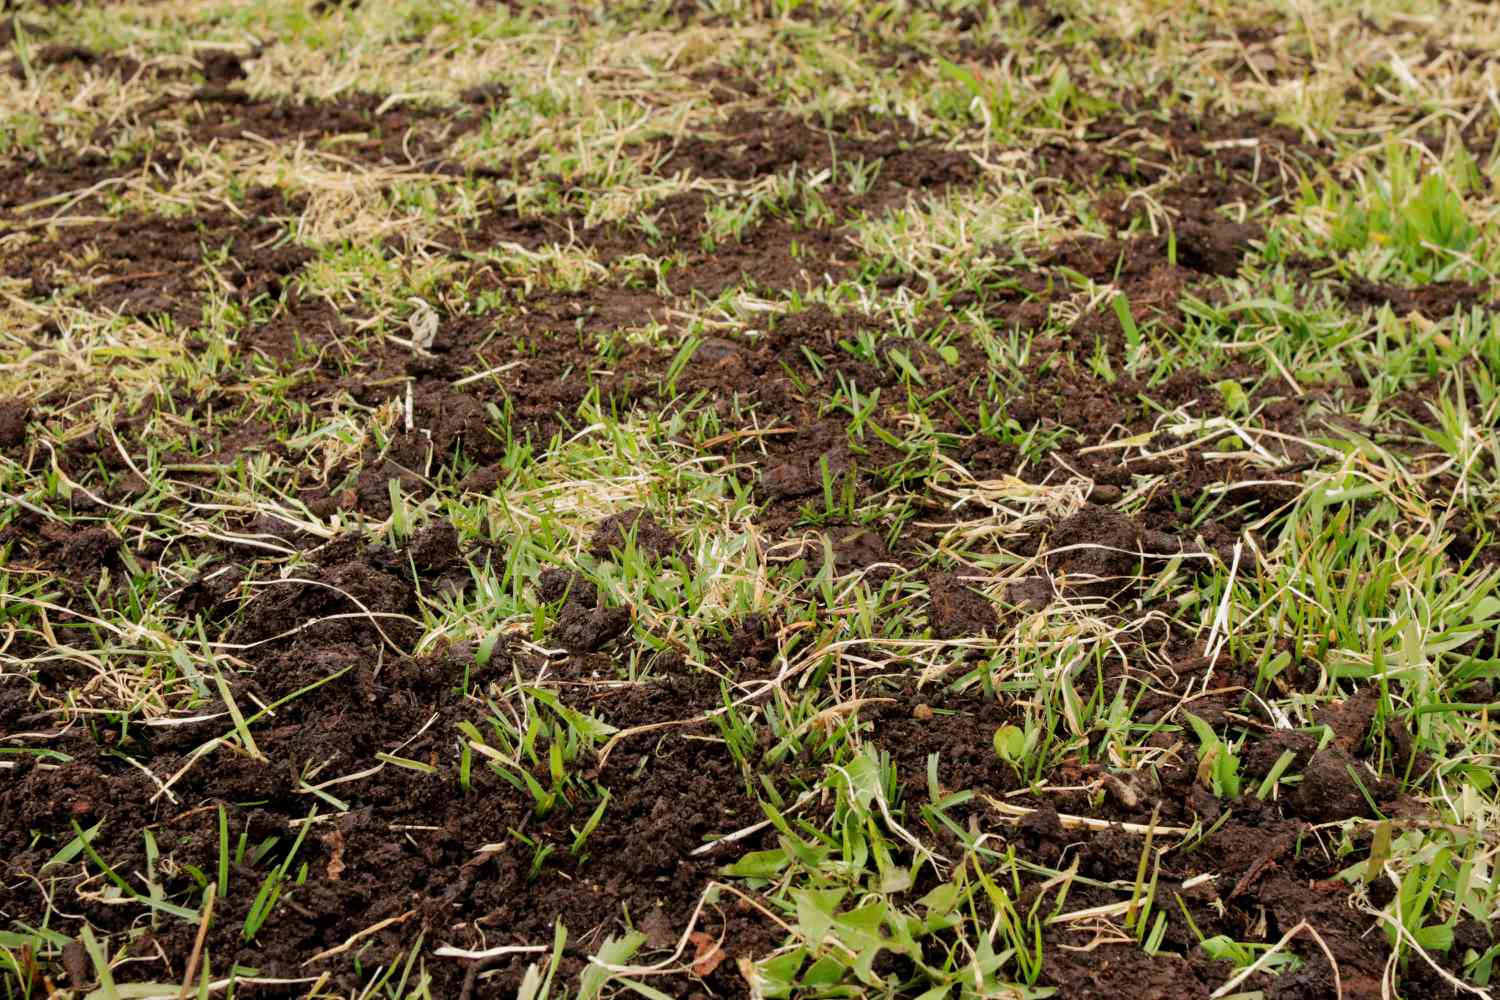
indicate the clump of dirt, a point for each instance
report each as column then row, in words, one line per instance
column 1261, row 755
column 556, row 584
column 772, row 253
column 211, row 593
column 14, row 415
column 303, row 324
column 775, row 256
column 13, row 26
column 1350, row 719
column 754, row 144
column 855, row 549
column 84, row 552
column 584, row 623
column 792, row 246
column 223, row 66
column 1094, row 552
column 960, row 729
column 74, row 553
column 1330, row 788
column 486, row 94
column 1198, row 164
column 1032, row 593
column 1125, row 970
column 77, row 55
column 581, row 629
column 958, row 611
column 349, row 596
column 615, row 533
column 749, row 647
column 504, row 223
column 795, row 469
column 435, row 548
column 33, row 184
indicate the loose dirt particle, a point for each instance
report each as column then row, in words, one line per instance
column 584, row 630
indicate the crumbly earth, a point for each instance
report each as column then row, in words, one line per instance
column 748, row 499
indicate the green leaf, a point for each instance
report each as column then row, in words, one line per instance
column 74, row 847
column 1127, row 321
column 815, row 910
column 863, row 773
column 1010, row 742
column 779, row 971
column 486, row 648
column 616, row 951
column 1207, row 738
column 826, row 971
column 759, row 864
column 584, row 724
column 1233, row 394
column 942, row 899
column 907, row 368
column 1435, row 937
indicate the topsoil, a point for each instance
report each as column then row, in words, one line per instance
column 412, row 853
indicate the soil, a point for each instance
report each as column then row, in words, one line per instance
column 419, row 851
column 365, row 128
column 14, row 413
column 1437, row 300
column 146, row 266
column 29, row 179
column 636, row 527
column 958, row 611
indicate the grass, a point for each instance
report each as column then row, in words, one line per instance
column 1040, row 588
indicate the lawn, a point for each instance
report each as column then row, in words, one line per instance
column 749, row 498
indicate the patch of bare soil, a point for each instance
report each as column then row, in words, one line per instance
column 791, row 246
column 33, row 186
column 370, row 128
column 750, row 145
column 1437, row 300
column 153, row 266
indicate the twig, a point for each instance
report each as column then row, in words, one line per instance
column 725, row 438
column 1017, row 813
column 372, row 929
column 197, row 953
column 448, row 951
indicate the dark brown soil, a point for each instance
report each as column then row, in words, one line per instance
column 752, row 145
column 633, row 527
column 1435, row 301
column 77, row 55
column 146, row 266
column 26, row 180
column 418, row 849
column 957, row 610
column 12, row 26
column 368, row 132
column 14, row 413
